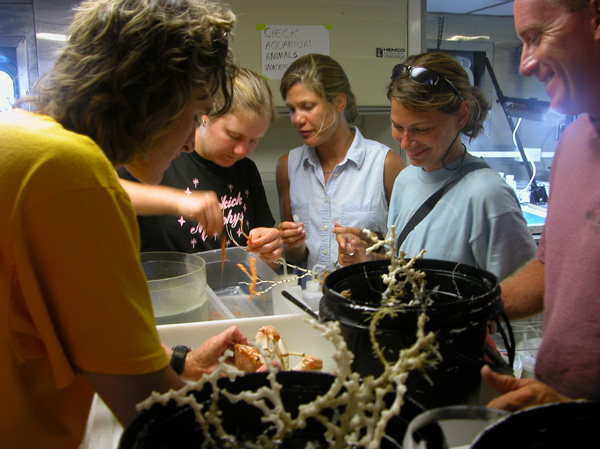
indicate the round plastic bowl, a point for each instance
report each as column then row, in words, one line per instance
column 177, row 283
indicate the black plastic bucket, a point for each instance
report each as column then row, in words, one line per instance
column 467, row 298
column 171, row 426
column 552, row 426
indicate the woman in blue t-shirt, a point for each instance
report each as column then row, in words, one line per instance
column 478, row 221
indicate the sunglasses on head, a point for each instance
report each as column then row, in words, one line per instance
column 421, row 75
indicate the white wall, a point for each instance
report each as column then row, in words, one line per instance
column 354, row 31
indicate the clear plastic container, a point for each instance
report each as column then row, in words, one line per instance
column 528, row 337
column 177, row 283
column 527, row 350
column 216, row 308
column 231, row 285
column 312, row 294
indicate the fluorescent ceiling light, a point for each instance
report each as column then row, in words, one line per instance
column 468, row 38
column 52, row 37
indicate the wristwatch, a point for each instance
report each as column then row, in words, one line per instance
column 178, row 358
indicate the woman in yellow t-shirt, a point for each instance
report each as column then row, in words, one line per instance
column 132, row 81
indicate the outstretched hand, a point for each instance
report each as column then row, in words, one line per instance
column 204, row 208
column 293, row 234
column 205, row 358
column 517, row 394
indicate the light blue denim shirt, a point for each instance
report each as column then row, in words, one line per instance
column 354, row 195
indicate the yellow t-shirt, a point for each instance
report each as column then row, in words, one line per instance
column 72, row 291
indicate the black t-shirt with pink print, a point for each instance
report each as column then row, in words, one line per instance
column 241, row 195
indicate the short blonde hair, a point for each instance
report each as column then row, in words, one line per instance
column 251, row 93
column 129, row 67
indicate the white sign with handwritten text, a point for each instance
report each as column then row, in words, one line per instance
column 282, row 44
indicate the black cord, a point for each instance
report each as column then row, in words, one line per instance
column 510, row 344
column 448, row 151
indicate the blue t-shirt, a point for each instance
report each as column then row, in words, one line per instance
column 477, row 222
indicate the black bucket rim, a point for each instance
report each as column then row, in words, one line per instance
column 460, row 325
column 432, row 266
column 159, row 415
column 550, row 424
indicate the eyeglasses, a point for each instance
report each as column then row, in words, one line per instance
column 421, row 75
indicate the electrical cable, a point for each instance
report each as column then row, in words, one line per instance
column 514, row 134
column 533, row 167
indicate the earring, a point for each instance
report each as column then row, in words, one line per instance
column 203, row 122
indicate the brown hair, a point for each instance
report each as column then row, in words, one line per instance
column 419, row 97
column 129, row 67
column 324, row 76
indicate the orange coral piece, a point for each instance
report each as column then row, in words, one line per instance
column 253, row 276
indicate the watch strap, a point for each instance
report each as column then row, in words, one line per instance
column 178, row 358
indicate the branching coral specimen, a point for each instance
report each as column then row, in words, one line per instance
column 362, row 411
column 401, row 273
column 265, row 284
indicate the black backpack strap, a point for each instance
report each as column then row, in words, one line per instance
column 430, row 202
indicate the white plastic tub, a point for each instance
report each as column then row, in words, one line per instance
column 104, row 431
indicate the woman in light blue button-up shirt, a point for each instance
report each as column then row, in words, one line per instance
column 337, row 176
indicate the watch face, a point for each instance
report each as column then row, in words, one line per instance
column 181, row 348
